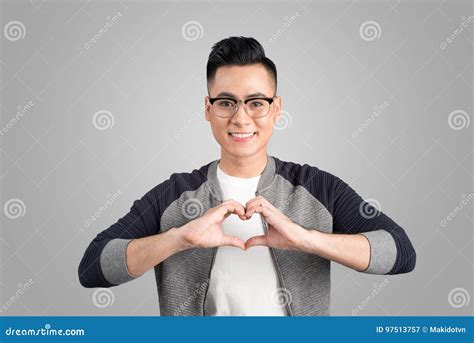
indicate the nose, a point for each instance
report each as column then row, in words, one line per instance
column 241, row 117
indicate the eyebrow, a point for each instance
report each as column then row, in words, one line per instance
column 230, row 95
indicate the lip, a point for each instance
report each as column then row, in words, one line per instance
column 237, row 139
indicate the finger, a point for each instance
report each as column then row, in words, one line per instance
column 233, row 241
column 259, row 201
column 254, row 200
column 256, row 240
column 263, row 210
column 231, row 209
column 234, row 207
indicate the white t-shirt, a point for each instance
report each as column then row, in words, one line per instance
column 243, row 283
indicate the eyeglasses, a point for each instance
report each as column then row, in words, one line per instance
column 254, row 107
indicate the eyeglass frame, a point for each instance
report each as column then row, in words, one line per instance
column 243, row 101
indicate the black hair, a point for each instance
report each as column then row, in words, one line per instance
column 238, row 51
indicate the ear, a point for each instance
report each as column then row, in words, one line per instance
column 276, row 108
column 207, row 107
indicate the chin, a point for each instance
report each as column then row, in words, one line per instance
column 242, row 152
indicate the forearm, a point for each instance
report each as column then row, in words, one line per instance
column 350, row 250
column 144, row 253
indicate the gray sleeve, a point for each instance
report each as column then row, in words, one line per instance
column 390, row 248
column 383, row 252
column 113, row 262
column 103, row 262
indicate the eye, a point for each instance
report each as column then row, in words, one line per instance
column 256, row 103
column 225, row 103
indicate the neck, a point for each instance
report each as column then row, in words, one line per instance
column 246, row 166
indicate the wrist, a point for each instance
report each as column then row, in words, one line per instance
column 309, row 241
column 180, row 242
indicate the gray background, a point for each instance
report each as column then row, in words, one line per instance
column 150, row 75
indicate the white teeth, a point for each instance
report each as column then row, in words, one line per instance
column 242, row 135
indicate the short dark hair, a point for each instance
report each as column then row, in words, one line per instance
column 238, row 51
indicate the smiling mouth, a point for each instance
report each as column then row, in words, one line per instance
column 242, row 135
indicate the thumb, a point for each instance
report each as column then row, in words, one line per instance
column 256, row 240
column 233, row 241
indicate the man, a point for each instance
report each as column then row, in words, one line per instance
column 248, row 234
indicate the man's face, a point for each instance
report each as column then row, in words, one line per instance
column 241, row 82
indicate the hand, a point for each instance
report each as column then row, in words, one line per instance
column 206, row 231
column 282, row 232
